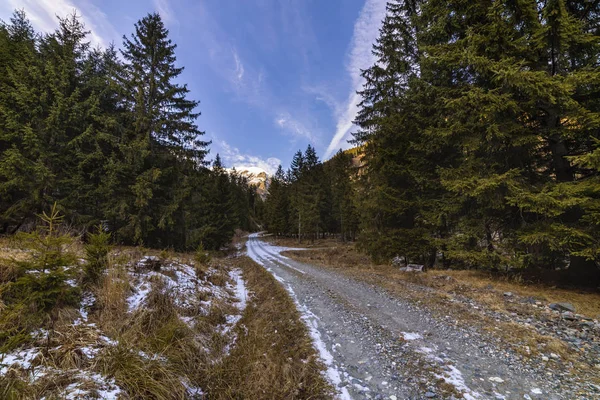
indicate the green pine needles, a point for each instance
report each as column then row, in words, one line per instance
column 479, row 127
column 97, row 251
column 46, row 281
column 110, row 138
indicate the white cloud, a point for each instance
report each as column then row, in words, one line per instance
column 366, row 31
column 239, row 68
column 232, row 157
column 166, row 12
column 324, row 94
column 43, row 13
column 245, row 77
column 297, row 129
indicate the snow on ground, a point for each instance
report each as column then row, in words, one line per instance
column 241, row 295
column 139, row 295
column 181, row 283
column 86, row 384
column 309, row 319
column 451, row 375
column 185, row 288
column 411, row 335
column 240, row 290
column 29, row 361
column 455, row 378
column 104, row 388
column 21, row 358
column 87, row 301
column 189, row 295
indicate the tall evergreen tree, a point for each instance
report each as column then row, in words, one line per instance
column 23, row 173
column 162, row 134
column 278, row 204
column 471, row 118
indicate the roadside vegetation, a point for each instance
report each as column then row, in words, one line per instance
column 103, row 321
column 479, row 146
column 79, row 128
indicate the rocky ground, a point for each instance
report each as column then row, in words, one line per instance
column 381, row 346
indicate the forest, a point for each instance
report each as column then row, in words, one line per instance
column 110, row 136
column 479, row 143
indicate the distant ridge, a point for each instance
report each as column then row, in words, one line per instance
column 256, row 176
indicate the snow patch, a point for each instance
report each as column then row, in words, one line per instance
column 105, row 388
column 309, row 319
column 87, row 302
column 454, row 377
column 411, row 336
column 240, row 288
column 139, row 295
column 18, row 359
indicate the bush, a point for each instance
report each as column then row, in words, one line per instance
column 96, row 255
column 45, row 281
column 201, row 258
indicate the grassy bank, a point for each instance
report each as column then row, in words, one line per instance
column 273, row 357
column 161, row 325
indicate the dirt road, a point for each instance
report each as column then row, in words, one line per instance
column 380, row 347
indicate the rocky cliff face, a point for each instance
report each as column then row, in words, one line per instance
column 257, row 177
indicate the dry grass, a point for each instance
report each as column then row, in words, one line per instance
column 585, row 302
column 304, row 243
column 153, row 354
column 112, row 293
column 273, row 357
column 482, row 286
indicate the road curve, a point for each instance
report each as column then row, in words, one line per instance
column 380, row 347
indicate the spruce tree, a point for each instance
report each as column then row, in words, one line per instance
column 163, row 132
column 392, row 222
column 277, row 204
column 24, row 176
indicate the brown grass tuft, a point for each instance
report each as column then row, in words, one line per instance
column 273, row 356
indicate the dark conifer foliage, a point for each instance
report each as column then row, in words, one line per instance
column 110, row 140
column 476, row 119
column 479, row 128
column 313, row 199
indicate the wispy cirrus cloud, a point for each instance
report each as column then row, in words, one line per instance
column 366, row 31
column 324, row 94
column 245, row 76
column 239, row 67
column 233, row 157
column 163, row 7
column 292, row 126
column 43, row 15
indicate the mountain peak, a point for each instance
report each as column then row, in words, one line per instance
column 256, row 176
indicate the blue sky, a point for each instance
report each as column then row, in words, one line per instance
column 272, row 75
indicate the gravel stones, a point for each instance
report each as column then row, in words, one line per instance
column 562, row 307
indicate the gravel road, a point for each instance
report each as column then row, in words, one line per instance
column 380, row 347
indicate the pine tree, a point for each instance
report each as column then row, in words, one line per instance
column 24, row 175
column 163, row 133
column 277, row 204
column 219, row 223
column 43, row 284
column 515, row 109
column 392, row 135
column 110, row 141
column 96, row 149
column 343, row 209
